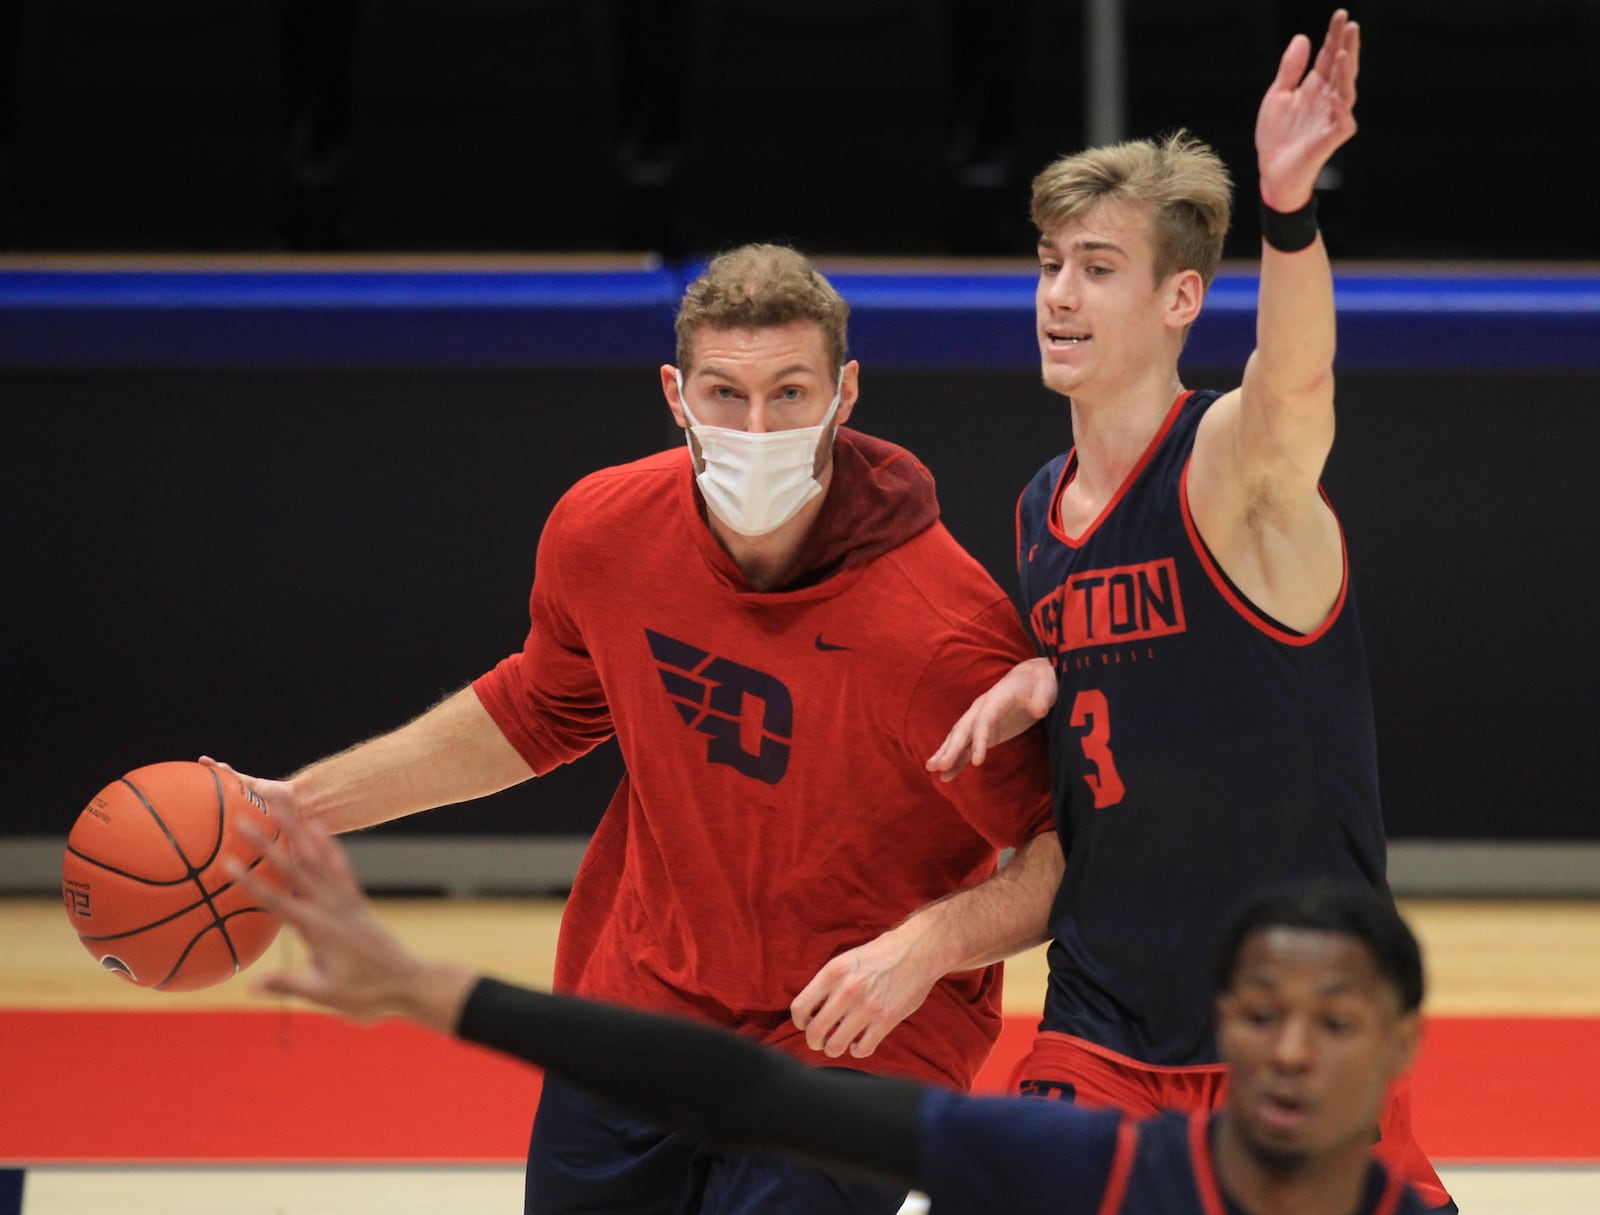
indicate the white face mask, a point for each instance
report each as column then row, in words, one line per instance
column 755, row 483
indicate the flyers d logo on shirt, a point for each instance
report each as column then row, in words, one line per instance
column 1113, row 606
column 748, row 713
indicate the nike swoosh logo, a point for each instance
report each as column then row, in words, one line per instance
column 823, row 645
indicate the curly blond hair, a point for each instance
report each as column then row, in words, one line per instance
column 757, row 287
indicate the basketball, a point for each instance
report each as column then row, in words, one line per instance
column 144, row 883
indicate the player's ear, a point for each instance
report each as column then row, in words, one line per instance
column 669, row 389
column 1185, row 293
column 849, row 391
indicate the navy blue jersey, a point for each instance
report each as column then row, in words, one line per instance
column 1198, row 749
column 1010, row 1155
column 1018, row 1154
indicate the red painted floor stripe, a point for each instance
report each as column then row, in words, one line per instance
column 1509, row 1089
column 255, row 1086
column 251, row 1086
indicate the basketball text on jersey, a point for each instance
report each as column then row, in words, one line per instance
column 1114, row 606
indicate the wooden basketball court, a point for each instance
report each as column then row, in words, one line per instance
column 1534, row 962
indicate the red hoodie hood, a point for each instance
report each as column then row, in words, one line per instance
column 880, row 496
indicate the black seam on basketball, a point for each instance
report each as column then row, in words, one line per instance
column 221, row 926
column 162, row 823
column 222, row 818
column 235, row 914
column 227, row 938
column 189, row 948
column 138, row 877
column 166, row 919
column 182, row 911
column 222, row 826
column 195, row 873
column 249, row 907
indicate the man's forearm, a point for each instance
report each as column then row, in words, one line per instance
column 452, row 753
column 1296, row 324
column 995, row 919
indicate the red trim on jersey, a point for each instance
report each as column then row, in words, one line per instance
column 1016, row 518
column 1236, row 600
column 1121, row 1167
column 1070, row 468
column 1392, row 1194
column 1054, row 1052
column 1204, row 1173
column 1398, row 1151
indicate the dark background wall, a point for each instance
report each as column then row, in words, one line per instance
column 267, row 566
column 679, row 126
column 269, row 563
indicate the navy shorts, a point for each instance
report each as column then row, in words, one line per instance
column 586, row 1156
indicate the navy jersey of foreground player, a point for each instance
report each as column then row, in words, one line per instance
column 1007, row 1155
column 986, row 1154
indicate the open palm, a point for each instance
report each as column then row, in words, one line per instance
column 1306, row 116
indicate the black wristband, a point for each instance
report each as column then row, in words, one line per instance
column 1289, row 231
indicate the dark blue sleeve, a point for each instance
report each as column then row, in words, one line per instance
column 1010, row 1154
column 714, row 1086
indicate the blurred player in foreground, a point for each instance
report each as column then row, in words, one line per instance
column 1319, row 989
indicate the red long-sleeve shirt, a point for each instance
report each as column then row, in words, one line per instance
column 776, row 809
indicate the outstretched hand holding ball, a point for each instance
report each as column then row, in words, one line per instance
column 145, row 881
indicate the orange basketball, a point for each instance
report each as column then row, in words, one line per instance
column 144, row 884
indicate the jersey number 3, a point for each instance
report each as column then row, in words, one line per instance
column 1091, row 718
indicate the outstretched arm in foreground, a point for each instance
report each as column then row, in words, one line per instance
column 714, row 1086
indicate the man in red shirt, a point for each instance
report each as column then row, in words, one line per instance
column 773, row 624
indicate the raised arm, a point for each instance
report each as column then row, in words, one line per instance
column 1288, row 387
column 1260, row 452
column 452, row 753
